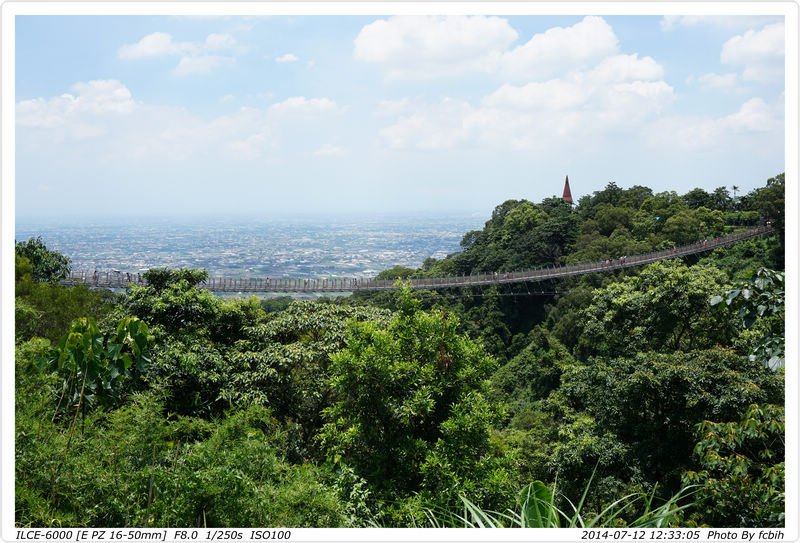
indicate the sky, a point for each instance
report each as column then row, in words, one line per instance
column 144, row 115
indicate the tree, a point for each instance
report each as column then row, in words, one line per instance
column 532, row 374
column 411, row 413
column 721, row 199
column 759, row 307
column 283, row 363
column 397, row 272
column 646, row 408
column 741, row 470
column 770, row 202
column 46, row 309
column 171, row 299
column 47, row 265
column 689, row 226
column 193, row 329
column 95, row 367
column 698, row 198
column 664, row 308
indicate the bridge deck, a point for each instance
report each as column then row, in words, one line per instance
column 337, row 284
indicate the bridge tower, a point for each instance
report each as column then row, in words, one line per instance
column 567, row 196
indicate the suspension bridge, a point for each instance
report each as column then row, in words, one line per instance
column 119, row 279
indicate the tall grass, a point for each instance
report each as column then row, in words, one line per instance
column 537, row 509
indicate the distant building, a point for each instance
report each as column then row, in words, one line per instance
column 567, row 196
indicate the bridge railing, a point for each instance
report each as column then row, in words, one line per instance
column 118, row 279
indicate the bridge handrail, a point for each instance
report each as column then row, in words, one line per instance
column 118, row 279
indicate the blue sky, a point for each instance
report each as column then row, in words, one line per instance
column 135, row 115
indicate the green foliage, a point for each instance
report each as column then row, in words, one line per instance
column 26, row 317
column 741, row 475
column 691, row 225
column 137, row 468
column 46, row 265
column 94, row 367
column 741, row 259
column 283, row 362
column 537, row 508
column 519, row 235
column 532, row 374
column 664, row 308
column 697, row 197
column 338, row 413
column 410, row 412
column 645, row 409
column 194, row 332
column 275, row 304
column 769, row 201
column 172, row 300
column 759, row 306
column 593, row 246
column 46, row 309
column 397, row 272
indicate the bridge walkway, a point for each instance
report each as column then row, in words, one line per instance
column 118, row 279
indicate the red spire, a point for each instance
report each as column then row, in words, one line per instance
column 567, row 196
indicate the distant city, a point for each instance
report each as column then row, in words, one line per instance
column 355, row 247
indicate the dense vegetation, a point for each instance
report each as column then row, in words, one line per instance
column 658, row 389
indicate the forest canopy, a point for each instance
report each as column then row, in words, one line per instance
column 167, row 405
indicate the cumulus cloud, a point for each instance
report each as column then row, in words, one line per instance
column 753, row 118
column 288, row 57
column 427, row 47
column 759, row 52
column 617, row 95
column 200, row 65
column 301, row 105
column 390, row 108
column 715, row 81
column 196, row 57
column 104, row 117
column 560, row 49
column 329, row 149
column 732, row 22
column 253, row 146
column 78, row 111
column 157, row 44
column 417, row 47
column 217, row 42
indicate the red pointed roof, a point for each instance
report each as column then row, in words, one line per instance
column 567, row 196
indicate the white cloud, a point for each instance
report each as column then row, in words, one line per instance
column 760, row 52
column 417, row 47
column 102, row 118
column 390, row 108
column 407, row 47
column 328, row 149
column 200, row 65
column 442, row 126
column 77, row 111
column 754, row 118
column 618, row 95
column 730, row 22
column 715, row 81
column 619, row 68
column 253, row 146
column 153, row 45
column 217, row 42
column 288, row 57
column 196, row 57
column 560, row 49
column 301, row 105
